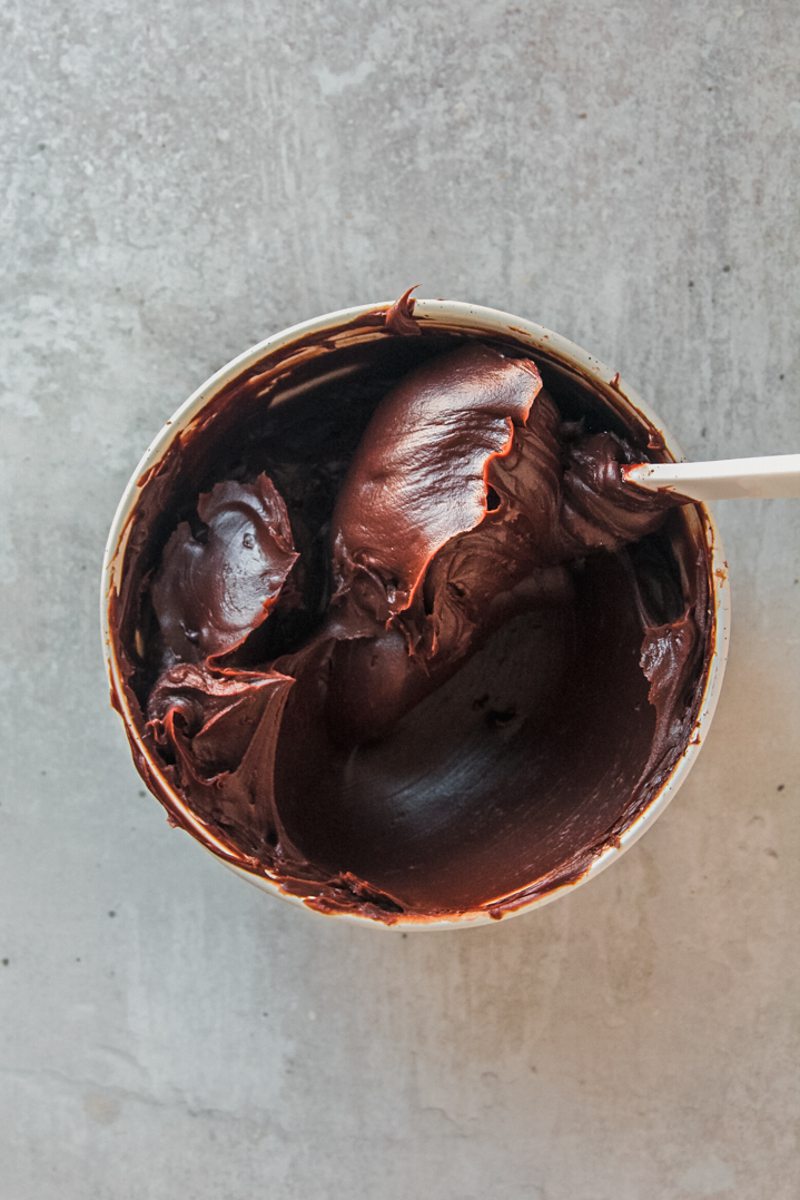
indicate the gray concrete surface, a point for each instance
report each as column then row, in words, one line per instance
column 181, row 180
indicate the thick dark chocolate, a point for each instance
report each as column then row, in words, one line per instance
column 406, row 642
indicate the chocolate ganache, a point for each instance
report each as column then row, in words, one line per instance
column 399, row 635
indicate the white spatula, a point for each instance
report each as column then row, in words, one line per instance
column 770, row 477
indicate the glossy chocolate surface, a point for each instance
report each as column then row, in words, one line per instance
column 398, row 634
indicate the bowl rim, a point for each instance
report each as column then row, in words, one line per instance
column 452, row 315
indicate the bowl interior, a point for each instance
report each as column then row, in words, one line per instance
column 524, row 772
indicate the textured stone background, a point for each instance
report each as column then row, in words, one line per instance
column 181, row 180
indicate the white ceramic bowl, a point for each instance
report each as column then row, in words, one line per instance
column 346, row 327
